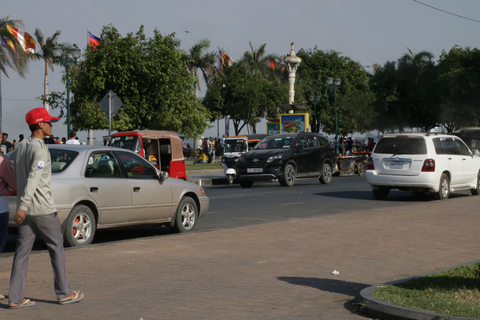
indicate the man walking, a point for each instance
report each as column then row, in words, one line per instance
column 36, row 213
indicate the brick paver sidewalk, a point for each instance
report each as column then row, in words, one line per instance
column 279, row 270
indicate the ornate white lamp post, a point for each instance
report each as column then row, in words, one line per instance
column 292, row 62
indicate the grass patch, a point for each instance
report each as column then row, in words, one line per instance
column 203, row 166
column 455, row 292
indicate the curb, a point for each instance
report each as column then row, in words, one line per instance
column 374, row 307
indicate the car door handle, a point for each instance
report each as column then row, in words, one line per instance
column 136, row 189
column 94, row 189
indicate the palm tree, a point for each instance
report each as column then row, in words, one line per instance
column 196, row 59
column 15, row 58
column 419, row 59
column 258, row 62
column 46, row 44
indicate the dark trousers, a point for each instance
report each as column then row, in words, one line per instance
column 50, row 230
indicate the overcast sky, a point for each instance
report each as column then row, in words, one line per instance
column 367, row 31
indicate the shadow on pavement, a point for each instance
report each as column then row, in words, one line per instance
column 329, row 285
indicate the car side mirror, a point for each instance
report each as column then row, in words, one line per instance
column 163, row 175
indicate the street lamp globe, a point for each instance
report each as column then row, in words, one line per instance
column 75, row 53
column 57, row 52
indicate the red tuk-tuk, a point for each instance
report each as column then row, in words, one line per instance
column 161, row 148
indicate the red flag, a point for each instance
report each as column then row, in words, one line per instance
column 272, row 64
column 93, row 41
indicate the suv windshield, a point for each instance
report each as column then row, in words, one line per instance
column 275, row 142
column 401, row 145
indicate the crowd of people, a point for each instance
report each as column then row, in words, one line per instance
column 348, row 146
column 7, row 146
column 208, row 149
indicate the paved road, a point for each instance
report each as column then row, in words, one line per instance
column 280, row 270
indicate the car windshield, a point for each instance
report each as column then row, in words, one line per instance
column 275, row 142
column 61, row 159
column 235, row 145
column 127, row 142
column 401, row 145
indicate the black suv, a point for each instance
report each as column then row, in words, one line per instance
column 286, row 157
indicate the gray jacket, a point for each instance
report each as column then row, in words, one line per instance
column 34, row 177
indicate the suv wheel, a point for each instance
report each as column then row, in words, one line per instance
column 380, row 193
column 326, row 176
column 476, row 191
column 246, row 184
column 444, row 188
column 289, row 173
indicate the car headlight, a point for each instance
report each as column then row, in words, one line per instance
column 223, row 159
column 241, row 159
column 273, row 158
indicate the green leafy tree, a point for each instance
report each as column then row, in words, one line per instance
column 354, row 97
column 147, row 74
column 459, row 70
column 243, row 96
column 11, row 58
column 46, row 45
column 417, row 87
column 407, row 93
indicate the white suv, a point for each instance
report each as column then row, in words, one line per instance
column 438, row 163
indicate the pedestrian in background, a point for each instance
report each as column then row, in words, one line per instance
column 36, row 213
column 73, row 138
column 7, row 183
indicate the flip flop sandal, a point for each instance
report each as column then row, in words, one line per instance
column 78, row 296
column 24, row 303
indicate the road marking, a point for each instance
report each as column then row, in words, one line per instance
column 291, row 204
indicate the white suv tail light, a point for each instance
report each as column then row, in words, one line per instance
column 428, row 165
column 370, row 165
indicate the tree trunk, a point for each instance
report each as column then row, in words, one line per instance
column 90, row 137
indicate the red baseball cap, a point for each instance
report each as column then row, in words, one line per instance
column 39, row 115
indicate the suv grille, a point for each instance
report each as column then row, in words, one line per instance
column 259, row 164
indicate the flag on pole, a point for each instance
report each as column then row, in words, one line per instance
column 224, row 59
column 93, row 41
column 24, row 38
column 272, row 64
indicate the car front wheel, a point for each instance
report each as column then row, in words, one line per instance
column 476, row 191
column 246, row 184
column 186, row 217
column 327, row 174
column 289, row 173
column 444, row 188
column 79, row 227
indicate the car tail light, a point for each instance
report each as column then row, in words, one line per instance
column 370, row 165
column 428, row 165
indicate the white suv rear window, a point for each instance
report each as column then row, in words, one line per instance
column 401, row 145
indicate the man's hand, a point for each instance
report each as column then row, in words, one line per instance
column 20, row 216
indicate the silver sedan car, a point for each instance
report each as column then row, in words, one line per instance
column 103, row 187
